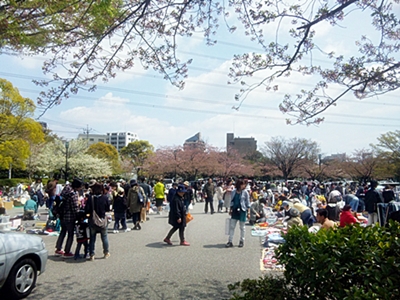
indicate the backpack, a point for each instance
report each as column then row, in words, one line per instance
column 58, row 208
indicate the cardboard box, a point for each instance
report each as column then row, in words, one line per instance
column 8, row 205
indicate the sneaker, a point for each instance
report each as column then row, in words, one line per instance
column 184, row 243
column 59, row 253
column 229, row 244
column 91, row 257
column 68, row 255
column 138, row 226
column 241, row 244
column 115, row 231
column 107, row 255
column 87, row 256
column 127, row 229
column 168, row 241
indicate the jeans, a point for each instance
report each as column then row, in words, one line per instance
column 66, row 228
column 50, row 201
column 232, row 229
column 104, row 239
column 354, row 204
column 187, row 203
column 181, row 233
column 120, row 217
column 361, row 205
column 211, row 202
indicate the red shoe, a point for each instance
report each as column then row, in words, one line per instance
column 68, row 255
column 168, row 241
column 59, row 253
column 184, row 243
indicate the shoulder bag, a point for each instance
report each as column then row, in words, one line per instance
column 99, row 222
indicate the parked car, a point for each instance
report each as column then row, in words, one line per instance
column 168, row 183
column 22, row 258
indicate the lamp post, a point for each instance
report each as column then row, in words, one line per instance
column 319, row 161
column 66, row 160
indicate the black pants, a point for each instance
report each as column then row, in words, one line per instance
column 66, row 228
column 135, row 217
column 208, row 200
column 78, row 248
column 181, row 233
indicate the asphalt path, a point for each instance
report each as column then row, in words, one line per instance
column 141, row 266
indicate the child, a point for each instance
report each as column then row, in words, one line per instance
column 82, row 235
column 120, row 206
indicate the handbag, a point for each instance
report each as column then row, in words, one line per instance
column 99, row 222
column 189, row 218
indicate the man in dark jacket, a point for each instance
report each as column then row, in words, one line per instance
column 70, row 207
column 172, row 192
column 372, row 198
column 177, row 216
column 209, row 191
column 188, row 195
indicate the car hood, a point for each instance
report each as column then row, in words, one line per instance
column 20, row 241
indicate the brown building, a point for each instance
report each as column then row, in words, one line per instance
column 242, row 145
column 194, row 142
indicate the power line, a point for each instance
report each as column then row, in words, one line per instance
column 213, row 112
column 157, row 95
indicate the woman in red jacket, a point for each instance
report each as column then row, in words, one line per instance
column 346, row 217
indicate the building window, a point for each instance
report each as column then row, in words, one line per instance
column 101, row 140
column 92, row 140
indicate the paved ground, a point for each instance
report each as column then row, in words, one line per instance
column 141, row 266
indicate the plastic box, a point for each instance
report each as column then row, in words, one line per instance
column 5, row 226
column 4, row 219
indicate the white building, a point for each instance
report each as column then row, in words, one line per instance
column 121, row 139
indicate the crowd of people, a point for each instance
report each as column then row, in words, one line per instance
column 84, row 208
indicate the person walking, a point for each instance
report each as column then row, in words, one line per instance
column 209, row 191
column 136, row 201
column 219, row 194
column 177, row 216
column 70, row 200
column 159, row 194
column 239, row 209
column 189, row 196
column 229, row 187
column 120, row 206
column 98, row 203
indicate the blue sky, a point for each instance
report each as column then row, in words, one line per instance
column 142, row 102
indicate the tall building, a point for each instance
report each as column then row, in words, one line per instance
column 121, row 139
column 93, row 138
column 242, row 145
column 194, row 142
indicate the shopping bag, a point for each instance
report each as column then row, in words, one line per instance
column 189, row 218
column 227, row 225
column 190, row 206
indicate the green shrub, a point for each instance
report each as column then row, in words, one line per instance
column 348, row 263
column 13, row 182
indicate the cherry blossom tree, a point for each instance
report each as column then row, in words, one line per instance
column 93, row 40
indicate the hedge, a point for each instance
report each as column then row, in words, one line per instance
column 348, row 263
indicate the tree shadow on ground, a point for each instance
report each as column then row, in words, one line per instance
column 143, row 289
